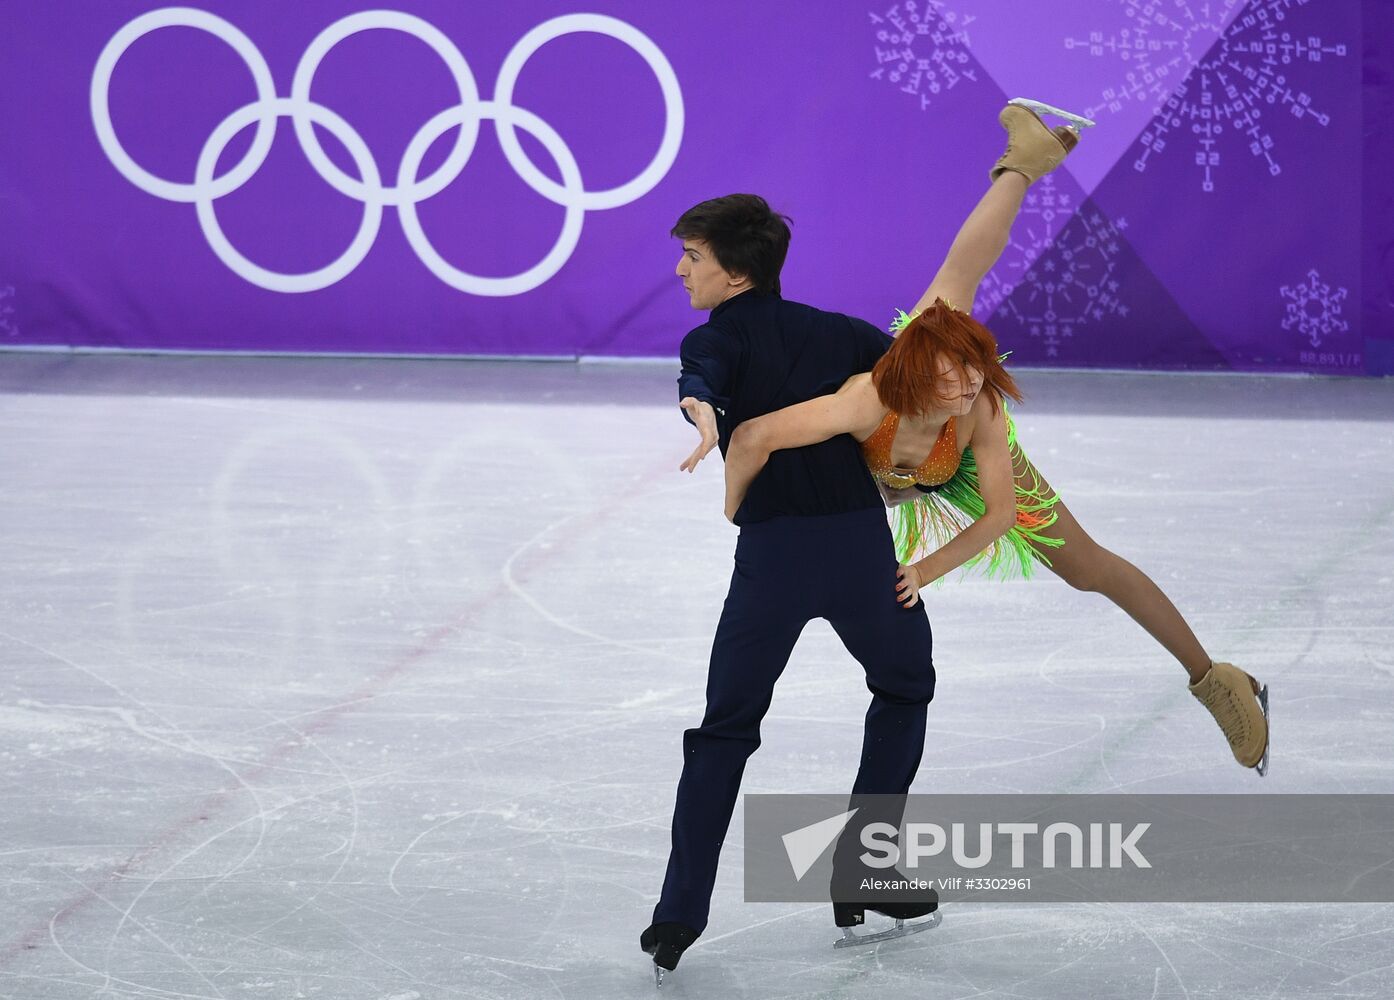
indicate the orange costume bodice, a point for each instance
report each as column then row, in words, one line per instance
column 938, row 468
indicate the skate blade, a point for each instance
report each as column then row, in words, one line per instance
column 1075, row 121
column 658, row 971
column 1262, row 766
column 900, row 930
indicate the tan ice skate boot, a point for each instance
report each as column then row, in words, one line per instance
column 1033, row 149
column 1240, row 705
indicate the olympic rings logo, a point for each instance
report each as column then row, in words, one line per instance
column 368, row 187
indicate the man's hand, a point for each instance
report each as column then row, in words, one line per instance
column 704, row 417
column 894, row 496
column 907, row 590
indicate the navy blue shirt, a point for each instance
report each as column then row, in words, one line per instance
column 758, row 353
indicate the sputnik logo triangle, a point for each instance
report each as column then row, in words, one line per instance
column 807, row 844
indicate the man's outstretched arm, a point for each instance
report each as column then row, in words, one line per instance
column 701, row 415
column 703, row 387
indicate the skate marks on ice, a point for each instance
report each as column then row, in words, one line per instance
column 343, row 697
column 1171, row 951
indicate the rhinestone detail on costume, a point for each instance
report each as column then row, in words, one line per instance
column 938, row 468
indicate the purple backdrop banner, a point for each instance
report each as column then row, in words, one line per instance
column 453, row 178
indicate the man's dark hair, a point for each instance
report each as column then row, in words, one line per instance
column 746, row 235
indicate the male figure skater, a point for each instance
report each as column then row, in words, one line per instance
column 814, row 543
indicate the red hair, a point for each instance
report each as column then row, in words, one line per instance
column 907, row 376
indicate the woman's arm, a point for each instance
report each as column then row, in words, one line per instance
column 989, row 444
column 853, row 408
column 980, row 241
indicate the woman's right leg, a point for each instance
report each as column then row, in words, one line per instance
column 1228, row 693
column 1086, row 565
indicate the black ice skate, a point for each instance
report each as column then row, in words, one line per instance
column 849, row 915
column 666, row 942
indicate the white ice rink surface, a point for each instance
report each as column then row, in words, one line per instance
column 366, row 680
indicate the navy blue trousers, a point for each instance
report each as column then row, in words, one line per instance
column 790, row 570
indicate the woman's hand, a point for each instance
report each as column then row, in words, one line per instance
column 907, row 589
column 745, row 457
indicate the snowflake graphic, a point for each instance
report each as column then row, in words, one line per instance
column 1314, row 308
column 7, row 311
column 1044, row 212
column 1072, row 287
column 922, row 48
column 1243, row 78
column 1166, row 39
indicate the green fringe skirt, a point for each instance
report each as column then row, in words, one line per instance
column 932, row 519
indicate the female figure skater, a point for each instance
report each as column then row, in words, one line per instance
column 935, row 433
